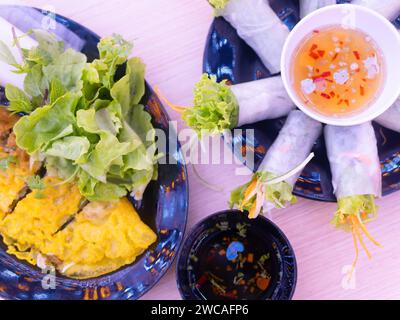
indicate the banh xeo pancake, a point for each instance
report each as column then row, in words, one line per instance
column 102, row 238
column 40, row 227
column 15, row 166
column 38, row 217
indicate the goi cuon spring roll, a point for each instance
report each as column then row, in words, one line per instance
column 308, row 6
column 356, row 178
column 388, row 8
column 272, row 185
column 218, row 106
column 391, row 118
column 258, row 25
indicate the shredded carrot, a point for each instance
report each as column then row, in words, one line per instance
column 252, row 212
column 357, row 252
column 174, row 107
column 367, row 233
column 249, row 193
column 356, row 225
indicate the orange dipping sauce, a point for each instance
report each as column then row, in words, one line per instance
column 338, row 71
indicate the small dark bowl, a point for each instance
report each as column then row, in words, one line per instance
column 283, row 261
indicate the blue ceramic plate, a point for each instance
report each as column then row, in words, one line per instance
column 228, row 57
column 205, row 237
column 163, row 208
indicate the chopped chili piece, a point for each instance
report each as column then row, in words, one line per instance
column 362, row 90
column 326, row 96
column 321, row 53
column 335, row 56
column 356, row 54
column 262, row 283
column 314, row 55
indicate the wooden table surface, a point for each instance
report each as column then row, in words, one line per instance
column 170, row 36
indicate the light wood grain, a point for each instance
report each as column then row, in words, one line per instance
column 170, row 36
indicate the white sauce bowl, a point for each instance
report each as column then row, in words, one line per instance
column 382, row 31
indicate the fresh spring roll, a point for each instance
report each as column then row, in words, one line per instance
column 388, row 8
column 356, row 177
column 289, row 151
column 391, row 118
column 258, row 25
column 218, row 106
column 308, row 6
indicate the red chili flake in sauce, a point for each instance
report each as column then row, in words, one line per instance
column 362, row 91
column 314, row 55
column 340, row 101
column 332, row 94
column 356, row 54
column 326, row 96
column 347, row 102
column 335, row 56
column 313, row 47
column 202, row 280
column 321, row 53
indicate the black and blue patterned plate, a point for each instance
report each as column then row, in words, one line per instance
column 229, row 57
column 163, row 208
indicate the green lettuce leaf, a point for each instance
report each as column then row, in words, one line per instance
column 70, row 148
column 19, row 100
column 46, row 124
column 113, row 51
column 67, row 68
column 215, row 108
column 129, row 90
column 6, row 55
column 278, row 194
column 362, row 205
column 84, row 118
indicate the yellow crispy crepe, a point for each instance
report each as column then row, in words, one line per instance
column 38, row 217
column 102, row 238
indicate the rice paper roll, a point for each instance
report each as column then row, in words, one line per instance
column 354, row 161
column 218, row 107
column 262, row 99
column 308, row 6
column 258, row 25
column 356, row 178
column 388, row 8
column 391, row 118
column 291, row 148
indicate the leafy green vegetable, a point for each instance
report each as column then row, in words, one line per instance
column 215, row 108
column 278, row 194
column 6, row 162
column 362, row 206
column 67, row 68
column 6, row 55
column 19, row 101
column 84, row 118
column 36, row 131
column 36, row 183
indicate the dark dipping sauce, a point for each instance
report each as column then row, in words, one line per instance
column 234, row 264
